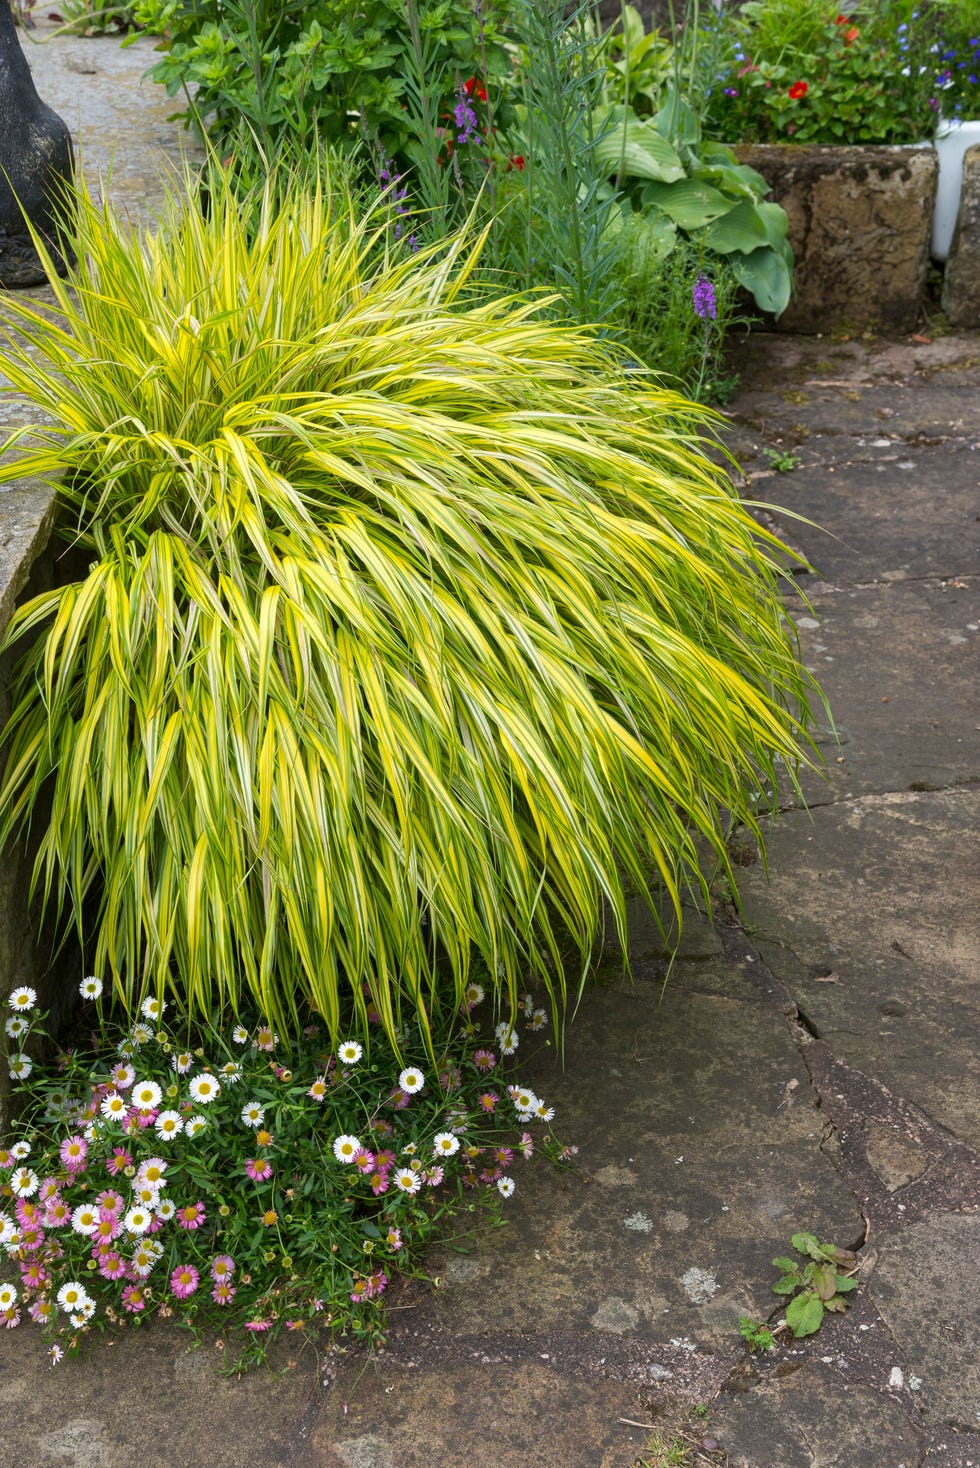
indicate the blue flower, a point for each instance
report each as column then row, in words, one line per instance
column 703, row 296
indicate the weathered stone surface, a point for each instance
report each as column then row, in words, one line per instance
column 927, row 1287
column 669, row 1234
column 859, row 225
column 961, row 283
column 881, row 955
column 477, row 1412
column 815, row 1418
column 36, row 165
column 895, row 1160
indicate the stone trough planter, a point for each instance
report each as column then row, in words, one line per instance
column 860, row 220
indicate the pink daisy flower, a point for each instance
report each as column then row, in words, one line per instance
column 31, row 1239
column 34, row 1276
column 258, row 1169
column 488, row 1101
column 28, row 1213
column 50, row 1188
column 393, row 1238
column 504, row 1156
column 57, row 1213
column 484, row 1060
column 192, row 1216
column 112, row 1266
column 134, row 1299
column 258, row 1325
column 72, row 1153
column 109, row 1201
column 222, row 1267
column 223, row 1293
column 184, row 1281
column 119, row 1161
column 379, row 1182
column 384, row 1159
column 433, row 1176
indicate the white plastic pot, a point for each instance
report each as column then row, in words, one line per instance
column 952, row 141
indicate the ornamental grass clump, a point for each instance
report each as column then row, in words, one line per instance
column 409, row 626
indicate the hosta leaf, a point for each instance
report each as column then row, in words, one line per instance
column 690, row 204
column 627, row 142
column 766, row 274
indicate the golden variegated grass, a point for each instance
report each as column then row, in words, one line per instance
column 414, row 626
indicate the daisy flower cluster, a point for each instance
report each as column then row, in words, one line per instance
column 248, row 1181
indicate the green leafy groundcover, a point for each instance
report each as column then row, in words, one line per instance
column 247, row 1182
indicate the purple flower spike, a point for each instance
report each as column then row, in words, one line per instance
column 705, row 304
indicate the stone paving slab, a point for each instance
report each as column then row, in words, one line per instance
column 882, row 956
column 910, row 720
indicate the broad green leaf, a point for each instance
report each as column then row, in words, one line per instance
column 767, row 275
column 787, row 1284
column 689, row 204
column 825, row 1280
column 845, row 1284
column 804, row 1314
column 627, row 142
column 788, row 1266
column 740, row 229
column 805, row 1243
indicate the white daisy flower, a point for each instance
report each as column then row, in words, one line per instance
column 544, row 1112
column 240, row 1035
column 524, row 1101
column 72, row 1295
column 22, row 999
column 509, row 1042
column 20, row 1067
column 538, row 1020
column 318, row 1090
column 253, row 1114
column 90, row 988
column 146, row 1095
column 169, row 1124
column 204, row 1088
column 141, row 1035
column 411, row 1080
column 166, row 1209
column 8, row 1296
column 349, row 1053
column 153, row 1008
column 16, row 1025
column 505, row 1186
column 407, row 1180
column 24, row 1182
column 123, row 1075
column 345, row 1148
column 85, row 1219
column 230, row 1073
column 445, row 1145
column 137, row 1219
column 114, row 1107
column 195, row 1125
column 145, row 1195
column 20, row 1150
column 181, row 1063
column 152, row 1171
column 8, row 1229
column 473, row 995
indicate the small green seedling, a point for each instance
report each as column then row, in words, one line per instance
column 782, row 461
column 758, row 1336
column 821, row 1287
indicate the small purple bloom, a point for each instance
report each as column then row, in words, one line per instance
column 703, row 294
column 465, row 122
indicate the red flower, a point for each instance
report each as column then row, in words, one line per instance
column 517, row 161
column 475, row 88
column 851, row 35
column 841, row 19
column 798, row 90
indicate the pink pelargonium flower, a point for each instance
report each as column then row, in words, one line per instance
column 184, row 1281
column 192, row 1216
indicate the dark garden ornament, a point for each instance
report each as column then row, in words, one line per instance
column 36, row 164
